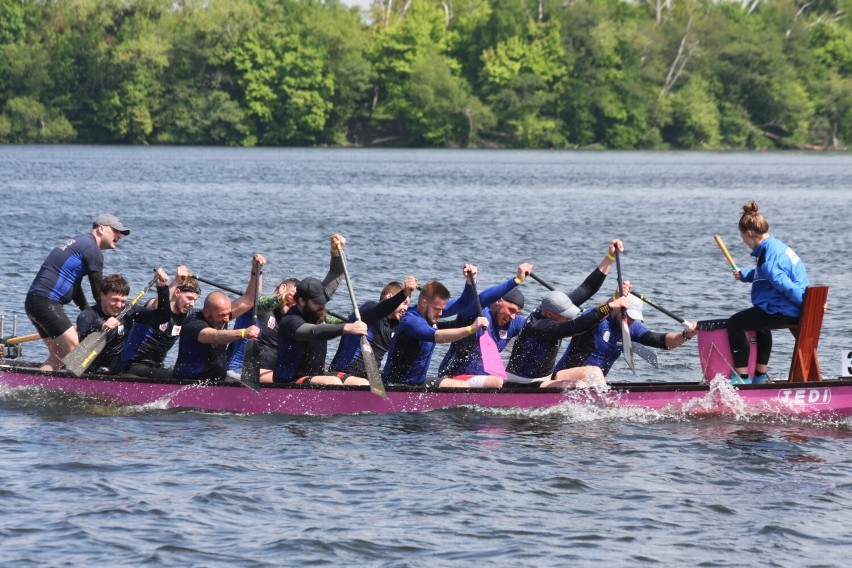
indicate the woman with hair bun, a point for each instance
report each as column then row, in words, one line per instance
column 778, row 284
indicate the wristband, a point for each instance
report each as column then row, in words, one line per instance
column 243, row 333
column 470, row 330
column 685, row 337
column 610, row 256
column 518, row 281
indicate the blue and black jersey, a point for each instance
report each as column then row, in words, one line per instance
column 536, row 347
column 302, row 346
column 198, row 360
column 380, row 332
column 64, row 268
column 92, row 319
column 602, row 346
column 410, row 351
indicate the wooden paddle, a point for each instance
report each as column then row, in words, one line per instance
column 250, row 375
column 644, row 352
column 20, row 339
column 625, row 329
column 78, row 360
column 373, row 374
column 217, row 285
column 491, row 361
column 722, row 246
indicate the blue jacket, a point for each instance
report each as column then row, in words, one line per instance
column 779, row 280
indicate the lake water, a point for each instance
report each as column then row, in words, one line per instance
column 85, row 484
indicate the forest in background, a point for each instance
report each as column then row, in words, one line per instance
column 653, row 74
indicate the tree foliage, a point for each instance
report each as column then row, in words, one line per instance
column 511, row 73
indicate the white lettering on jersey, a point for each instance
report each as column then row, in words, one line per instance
column 794, row 258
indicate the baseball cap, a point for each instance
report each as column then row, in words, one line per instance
column 312, row 289
column 110, row 221
column 634, row 311
column 516, row 297
column 559, row 303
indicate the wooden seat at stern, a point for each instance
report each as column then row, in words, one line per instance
column 805, row 363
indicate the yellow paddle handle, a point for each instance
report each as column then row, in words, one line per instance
column 22, row 339
column 725, row 252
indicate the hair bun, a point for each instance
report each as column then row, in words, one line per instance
column 750, row 208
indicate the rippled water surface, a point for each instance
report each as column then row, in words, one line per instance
column 87, row 484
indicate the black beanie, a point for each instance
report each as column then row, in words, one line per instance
column 515, row 296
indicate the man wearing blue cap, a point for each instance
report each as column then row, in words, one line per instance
column 59, row 281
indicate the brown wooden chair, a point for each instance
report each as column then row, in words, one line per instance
column 805, row 363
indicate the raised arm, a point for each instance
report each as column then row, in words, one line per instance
column 246, row 302
column 593, row 282
column 463, row 303
column 335, row 266
column 494, row 293
column 159, row 310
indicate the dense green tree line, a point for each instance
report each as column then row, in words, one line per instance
column 509, row 73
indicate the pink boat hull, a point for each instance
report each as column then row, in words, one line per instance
column 826, row 399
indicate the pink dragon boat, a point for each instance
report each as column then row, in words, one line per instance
column 827, row 398
column 804, row 393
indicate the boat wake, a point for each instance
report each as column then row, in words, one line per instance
column 723, row 401
column 57, row 403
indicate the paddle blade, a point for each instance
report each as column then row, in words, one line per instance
column 84, row 354
column 373, row 374
column 646, row 353
column 628, row 346
column 250, row 376
column 491, row 361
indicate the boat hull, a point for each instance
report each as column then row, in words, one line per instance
column 826, row 398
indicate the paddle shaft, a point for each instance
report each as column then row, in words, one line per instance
column 250, row 373
column 138, row 297
column 217, row 285
column 662, row 309
column 377, row 386
column 491, row 361
column 21, row 339
column 476, row 297
column 620, row 281
column 725, row 252
column 542, row 282
column 625, row 330
column 256, row 294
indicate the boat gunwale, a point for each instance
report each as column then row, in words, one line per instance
column 24, row 367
